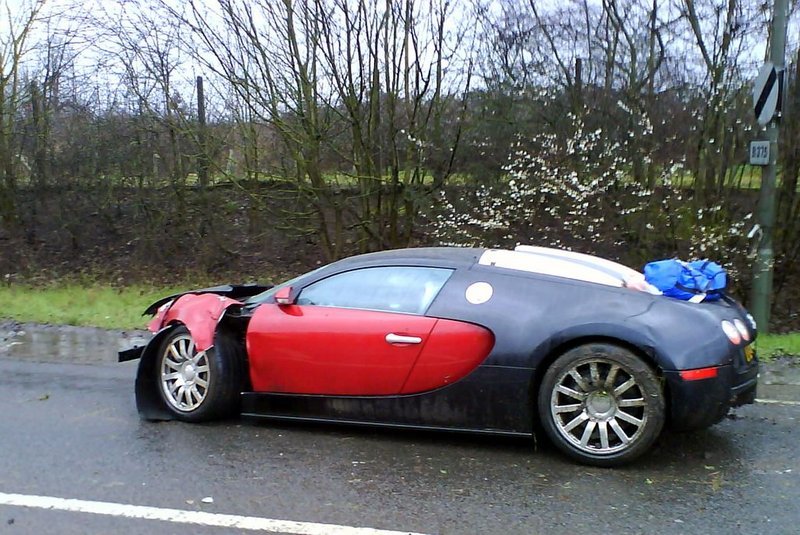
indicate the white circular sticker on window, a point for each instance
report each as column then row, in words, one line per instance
column 479, row 292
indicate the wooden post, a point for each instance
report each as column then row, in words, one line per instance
column 202, row 157
column 578, row 85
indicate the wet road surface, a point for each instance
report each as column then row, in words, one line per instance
column 69, row 429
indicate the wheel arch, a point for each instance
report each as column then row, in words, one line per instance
column 230, row 338
column 228, row 345
column 149, row 402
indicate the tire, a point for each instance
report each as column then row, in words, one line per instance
column 197, row 386
column 601, row 405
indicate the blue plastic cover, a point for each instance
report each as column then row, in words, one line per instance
column 700, row 279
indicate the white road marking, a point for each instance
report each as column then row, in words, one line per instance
column 188, row 517
column 777, row 402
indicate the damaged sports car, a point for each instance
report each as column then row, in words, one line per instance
column 506, row 342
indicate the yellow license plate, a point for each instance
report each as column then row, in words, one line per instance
column 749, row 353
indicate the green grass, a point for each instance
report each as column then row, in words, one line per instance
column 96, row 305
column 777, row 345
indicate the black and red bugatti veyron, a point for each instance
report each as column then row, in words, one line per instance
column 480, row 340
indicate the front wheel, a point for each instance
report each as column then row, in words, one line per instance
column 601, row 404
column 196, row 385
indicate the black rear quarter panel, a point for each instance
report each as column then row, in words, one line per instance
column 531, row 315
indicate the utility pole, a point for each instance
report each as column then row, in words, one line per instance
column 765, row 258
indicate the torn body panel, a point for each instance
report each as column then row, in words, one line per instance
column 200, row 313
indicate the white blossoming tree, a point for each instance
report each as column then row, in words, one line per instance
column 579, row 193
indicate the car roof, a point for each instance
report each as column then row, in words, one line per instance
column 524, row 258
column 435, row 256
column 561, row 263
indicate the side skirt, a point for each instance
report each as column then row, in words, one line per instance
column 382, row 425
column 492, row 400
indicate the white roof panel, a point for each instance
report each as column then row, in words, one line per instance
column 567, row 264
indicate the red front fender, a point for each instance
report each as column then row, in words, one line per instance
column 199, row 312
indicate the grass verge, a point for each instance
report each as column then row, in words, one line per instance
column 94, row 305
column 778, row 345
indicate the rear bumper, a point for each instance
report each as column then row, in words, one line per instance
column 700, row 404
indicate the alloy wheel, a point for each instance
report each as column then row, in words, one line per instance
column 185, row 374
column 598, row 406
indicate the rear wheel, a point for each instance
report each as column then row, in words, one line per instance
column 601, row 404
column 196, row 385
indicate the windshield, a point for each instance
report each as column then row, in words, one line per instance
column 267, row 295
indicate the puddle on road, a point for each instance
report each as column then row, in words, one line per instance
column 61, row 343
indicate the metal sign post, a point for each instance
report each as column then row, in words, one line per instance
column 770, row 90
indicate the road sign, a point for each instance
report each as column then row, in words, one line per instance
column 767, row 93
column 759, row 153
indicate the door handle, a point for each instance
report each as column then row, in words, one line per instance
column 400, row 339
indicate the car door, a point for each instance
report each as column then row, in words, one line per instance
column 357, row 333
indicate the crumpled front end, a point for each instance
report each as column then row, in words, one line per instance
column 200, row 314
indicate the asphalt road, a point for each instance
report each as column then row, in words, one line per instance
column 70, row 430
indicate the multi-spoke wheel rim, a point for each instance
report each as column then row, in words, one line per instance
column 598, row 406
column 185, row 374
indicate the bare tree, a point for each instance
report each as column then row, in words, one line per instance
column 15, row 45
column 720, row 35
column 358, row 94
column 147, row 42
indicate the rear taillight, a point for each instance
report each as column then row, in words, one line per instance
column 742, row 328
column 699, row 373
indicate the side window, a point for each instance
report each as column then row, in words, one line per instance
column 393, row 289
